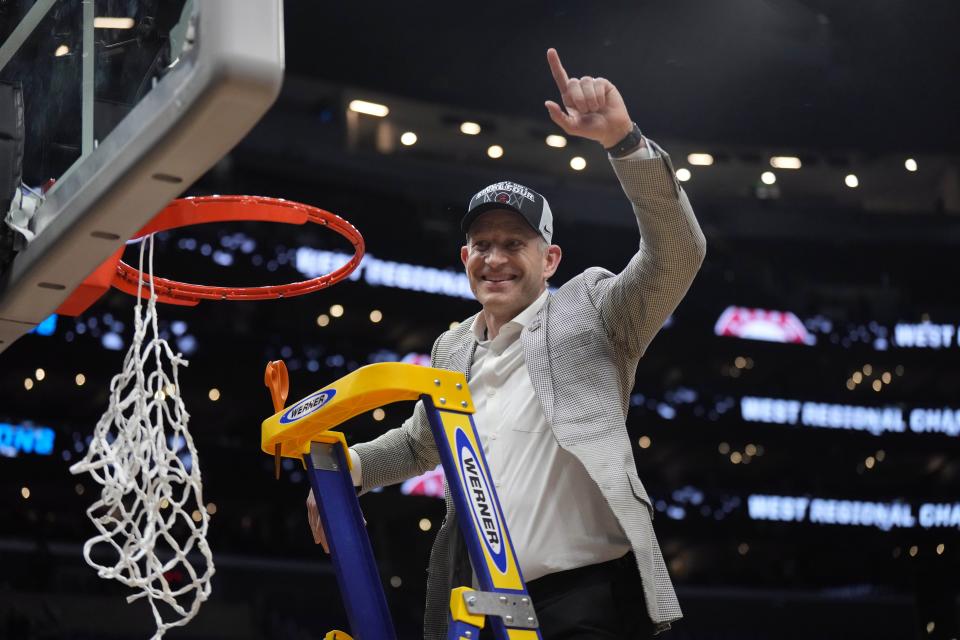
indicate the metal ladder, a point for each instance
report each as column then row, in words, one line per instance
column 303, row 431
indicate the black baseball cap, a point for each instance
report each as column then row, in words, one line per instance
column 511, row 196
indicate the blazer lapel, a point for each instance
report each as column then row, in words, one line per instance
column 462, row 358
column 537, row 355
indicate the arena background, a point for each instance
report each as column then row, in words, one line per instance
column 796, row 421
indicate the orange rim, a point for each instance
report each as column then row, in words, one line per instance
column 185, row 212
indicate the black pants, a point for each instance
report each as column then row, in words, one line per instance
column 597, row 602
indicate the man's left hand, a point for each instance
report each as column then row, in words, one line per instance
column 594, row 108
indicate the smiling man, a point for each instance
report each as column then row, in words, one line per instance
column 551, row 376
column 508, row 256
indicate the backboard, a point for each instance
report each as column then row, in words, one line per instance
column 119, row 106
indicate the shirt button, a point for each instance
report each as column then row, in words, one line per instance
column 493, row 436
column 491, row 393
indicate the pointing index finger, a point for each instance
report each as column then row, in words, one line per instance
column 556, row 68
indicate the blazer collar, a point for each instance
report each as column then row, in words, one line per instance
column 478, row 327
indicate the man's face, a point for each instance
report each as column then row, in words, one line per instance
column 507, row 262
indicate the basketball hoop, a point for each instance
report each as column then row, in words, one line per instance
column 150, row 516
column 186, row 212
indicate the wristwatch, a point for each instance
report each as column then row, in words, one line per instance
column 629, row 143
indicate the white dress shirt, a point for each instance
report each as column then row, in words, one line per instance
column 557, row 517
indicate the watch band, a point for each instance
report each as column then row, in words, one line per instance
column 629, row 143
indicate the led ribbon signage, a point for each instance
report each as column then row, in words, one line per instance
column 876, row 420
column 20, row 438
column 853, row 513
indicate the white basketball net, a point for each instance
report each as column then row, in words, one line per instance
column 151, row 514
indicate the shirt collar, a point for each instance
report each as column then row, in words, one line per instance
column 522, row 319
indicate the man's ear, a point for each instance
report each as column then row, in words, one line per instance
column 464, row 253
column 551, row 261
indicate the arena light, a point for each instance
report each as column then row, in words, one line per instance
column 700, row 159
column 910, row 164
column 683, row 174
column 556, row 141
column 785, row 162
column 768, row 177
column 408, row 138
column 106, row 22
column 61, row 51
column 851, row 181
column 336, row 310
column 495, row 151
column 369, row 108
column 214, row 394
column 577, row 163
column 470, row 128
column 40, row 374
column 80, row 379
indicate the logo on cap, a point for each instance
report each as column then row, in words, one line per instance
column 503, row 197
column 506, row 187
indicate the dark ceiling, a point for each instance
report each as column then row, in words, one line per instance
column 865, row 74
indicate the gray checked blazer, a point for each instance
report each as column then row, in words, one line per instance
column 581, row 353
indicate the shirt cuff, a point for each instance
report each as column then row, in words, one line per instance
column 355, row 471
column 644, row 152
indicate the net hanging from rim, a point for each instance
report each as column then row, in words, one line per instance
column 150, row 516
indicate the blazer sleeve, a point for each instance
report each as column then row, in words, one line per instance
column 636, row 302
column 401, row 453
